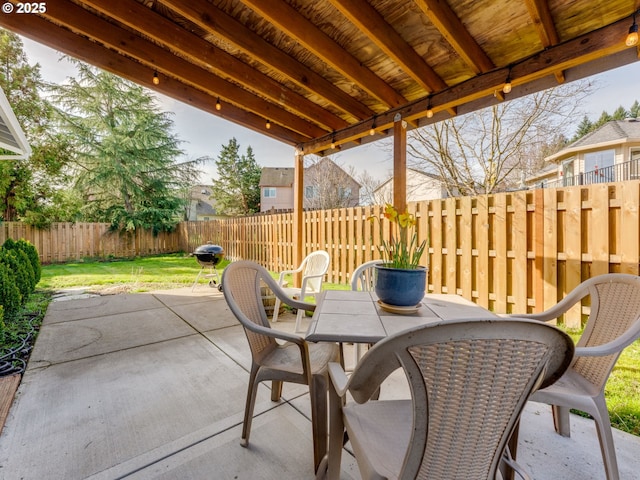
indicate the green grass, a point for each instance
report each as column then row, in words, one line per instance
column 134, row 275
column 179, row 270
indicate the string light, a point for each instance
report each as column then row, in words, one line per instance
column 156, row 79
column 429, row 109
column 268, row 125
column 373, row 127
column 218, row 104
column 632, row 38
column 507, row 83
column 333, row 141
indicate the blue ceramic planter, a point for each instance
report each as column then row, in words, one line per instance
column 400, row 287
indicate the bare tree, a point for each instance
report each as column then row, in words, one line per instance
column 369, row 190
column 328, row 185
column 492, row 149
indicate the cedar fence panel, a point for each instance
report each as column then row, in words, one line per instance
column 510, row 252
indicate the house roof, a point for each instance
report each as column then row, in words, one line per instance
column 276, row 177
column 12, row 137
column 327, row 160
column 319, row 74
column 205, row 205
column 416, row 172
column 614, row 132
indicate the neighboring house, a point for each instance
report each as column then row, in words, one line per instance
column 326, row 185
column 420, row 186
column 276, row 189
column 201, row 205
column 609, row 154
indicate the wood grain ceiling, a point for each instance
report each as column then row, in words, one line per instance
column 323, row 72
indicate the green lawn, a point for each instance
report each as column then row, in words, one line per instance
column 178, row 270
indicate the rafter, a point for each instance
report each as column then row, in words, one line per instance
column 154, row 56
column 218, row 23
column 367, row 18
column 543, row 21
column 199, row 51
column 43, row 31
column 454, row 31
column 287, row 19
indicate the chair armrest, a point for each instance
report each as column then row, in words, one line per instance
column 305, row 279
column 338, row 378
column 270, row 332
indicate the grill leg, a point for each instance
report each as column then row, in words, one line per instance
column 197, row 278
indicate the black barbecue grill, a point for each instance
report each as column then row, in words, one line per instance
column 208, row 256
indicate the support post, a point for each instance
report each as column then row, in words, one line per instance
column 399, row 163
column 298, row 210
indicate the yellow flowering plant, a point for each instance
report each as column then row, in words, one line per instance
column 401, row 250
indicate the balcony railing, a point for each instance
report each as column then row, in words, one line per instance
column 615, row 173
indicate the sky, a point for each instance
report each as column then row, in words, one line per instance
column 204, row 134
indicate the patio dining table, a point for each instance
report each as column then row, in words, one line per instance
column 358, row 317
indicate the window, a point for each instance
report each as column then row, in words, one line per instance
column 598, row 166
column 344, row 192
column 311, row 191
column 269, row 192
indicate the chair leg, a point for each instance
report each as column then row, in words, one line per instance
column 318, row 394
column 276, row 390
column 603, row 427
column 336, row 436
column 561, row 420
column 248, row 409
column 299, row 316
column 276, row 309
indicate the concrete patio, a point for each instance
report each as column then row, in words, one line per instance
column 153, row 385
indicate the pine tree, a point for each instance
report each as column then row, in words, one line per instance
column 620, row 113
column 124, row 154
column 237, row 190
column 584, row 127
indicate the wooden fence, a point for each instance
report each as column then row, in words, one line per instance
column 509, row 252
column 65, row 242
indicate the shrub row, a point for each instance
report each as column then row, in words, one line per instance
column 20, row 272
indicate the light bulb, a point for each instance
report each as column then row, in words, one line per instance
column 156, row 79
column 268, row 125
column 632, row 38
column 429, row 113
column 507, row 87
column 218, row 104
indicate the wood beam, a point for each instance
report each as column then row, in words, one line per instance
column 581, row 50
column 65, row 41
column 218, row 23
column 127, row 43
column 454, row 31
column 368, row 20
column 291, row 22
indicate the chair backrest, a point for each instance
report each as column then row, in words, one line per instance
column 242, row 287
column 615, row 314
column 364, row 277
column 316, row 263
column 470, row 380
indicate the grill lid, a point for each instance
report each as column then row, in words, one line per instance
column 209, row 248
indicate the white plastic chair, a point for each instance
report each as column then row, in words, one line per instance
column 613, row 324
column 469, row 382
column 314, row 267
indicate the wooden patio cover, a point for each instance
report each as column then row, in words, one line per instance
column 320, row 75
